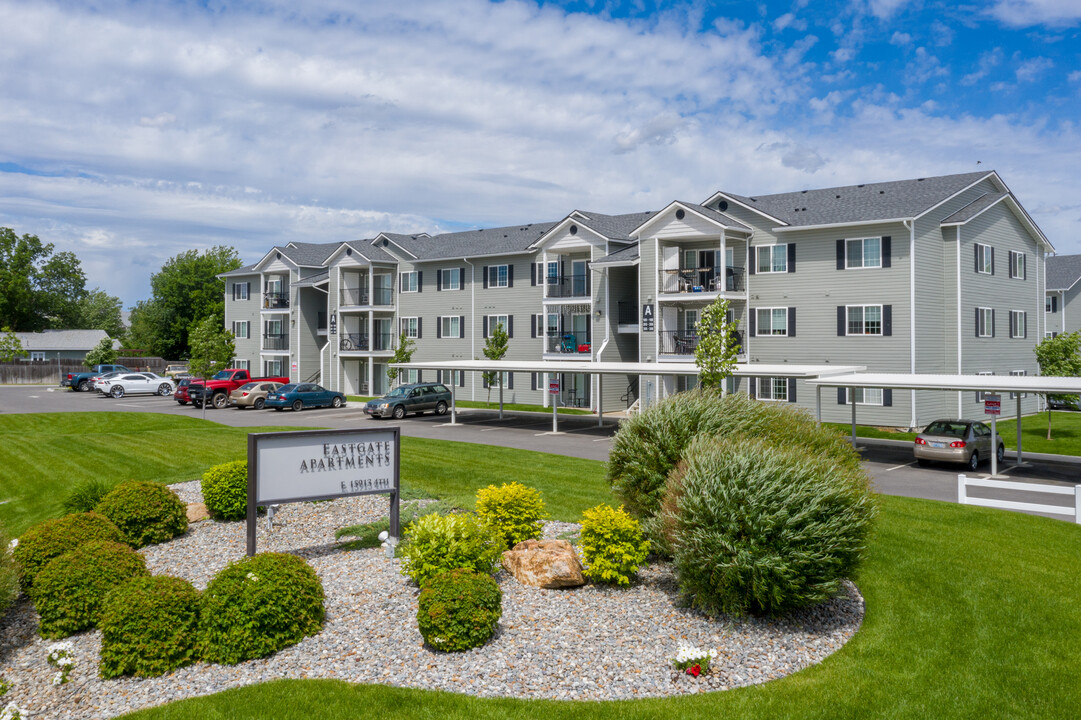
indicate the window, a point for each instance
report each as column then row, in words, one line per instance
column 498, row 276
column 242, row 329
column 771, row 321
column 1017, row 265
column 863, row 253
column 409, row 376
column 240, row 290
column 553, row 324
column 494, row 321
column 690, row 323
column 774, row 388
column 37, row 355
column 553, row 273
column 985, row 322
column 772, row 258
column 1047, row 304
column 1018, row 324
column 864, row 396
column 1018, row 373
column 411, row 327
column 985, row 259
column 450, row 279
column 410, row 282
column 979, row 395
column 241, row 364
column 274, row 368
column 451, row 326
column 864, row 319
column 451, row 377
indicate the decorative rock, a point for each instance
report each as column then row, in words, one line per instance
column 544, row 564
column 197, row 511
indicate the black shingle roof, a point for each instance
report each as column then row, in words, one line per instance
column 246, row 270
column 471, row 243
column 627, row 254
column 974, row 208
column 613, row 227
column 1063, row 271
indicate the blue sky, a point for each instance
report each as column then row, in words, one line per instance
column 130, row 132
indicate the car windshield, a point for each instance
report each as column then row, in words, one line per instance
column 400, row 391
column 249, row 386
column 287, row 388
column 944, row 427
column 222, row 375
column 185, row 381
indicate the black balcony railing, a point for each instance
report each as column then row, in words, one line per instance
column 354, row 296
column 627, row 313
column 275, row 341
column 383, row 296
column 682, row 343
column 568, row 343
column 563, row 286
column 383, row 341
column 706, row 279
column 273, row 300
column 349, row 342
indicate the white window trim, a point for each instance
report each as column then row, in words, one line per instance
column 493, row 276
column 1047, row 303
column 988, row 373
column 881, row 321
column 237, row 325
column 1014, row 256
column 769, row 381
column 773, row 251
column 1018, row 373
column 446, row 273
column 244, row 294
column 758, row 325
column 455, row 320
column 1017, row 315
column 401, row 281
column 241, row 364
column 989, row 262
column 987, row 321
column 37, row 355
column 861, row 241
column 881, row 397
column 493, row 320
column 410, row 329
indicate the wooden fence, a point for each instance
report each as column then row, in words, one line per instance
column 50, row 372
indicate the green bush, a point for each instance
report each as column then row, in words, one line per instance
column 257, row 606
column 612, row 545
column 85, row 495
column 9, row 574
column 147, row 513
column 459, row 610
column 366, row 535
column 761, row 528
column 69, row 591
column 52, row 538
column 649, row 446
column 149, row 626
column 515, row 510
column 225, row 490
column 438, row 543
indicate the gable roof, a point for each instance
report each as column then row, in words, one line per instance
column 61, row 339
column 1063, row 271
column 309, row 254
column 246, row 270
column 613, row 227
column 624, row 256
column 974, row 208
column 510, row 240
column 713, row 216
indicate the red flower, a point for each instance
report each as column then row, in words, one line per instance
column 696, row 670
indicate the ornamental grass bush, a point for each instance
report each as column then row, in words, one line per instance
column 85, row 495
column 459, row 610
column 515, row 510
column 149, row 627
column 225, row 490
column 147, row 513
column 9, row 573
column 761, row 528
column 257, row 606
column 68, row 593
column 438, row 543
column 50, row 539
column 612, row 545
column 650, row 445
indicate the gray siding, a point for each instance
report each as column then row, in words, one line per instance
column 246, row 311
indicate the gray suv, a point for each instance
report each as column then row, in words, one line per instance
column 414, row 398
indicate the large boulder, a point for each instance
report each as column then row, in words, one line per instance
column 544, row 564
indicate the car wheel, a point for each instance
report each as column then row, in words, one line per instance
column 1001, row 454
column 298, row 405
column 219, row 401
column 440, row 408
column 259, row 403
column 399, row 412
column 923, row 462
column 165, row 389
column 117, row 391
column 277, row 409
column 197, row 403
column 336, row 402
column 181, row 402
column 974, row 461
column 83, row 386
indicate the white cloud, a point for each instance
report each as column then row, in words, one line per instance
column 885, row 9
column 1030, row 70
column 987, row 62
column 1075, row 76
column 924, row 67
column 1025, row 13
column 789, row 20
column 900, row 38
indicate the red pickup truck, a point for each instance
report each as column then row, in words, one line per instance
column 223, row 383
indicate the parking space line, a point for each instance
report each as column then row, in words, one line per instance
column 898, row 467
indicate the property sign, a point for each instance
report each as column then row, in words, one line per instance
column 310, row 465
column 294, row 366
column 333, row 324
column 992, row 404
column 553, row 387
column 647, row 318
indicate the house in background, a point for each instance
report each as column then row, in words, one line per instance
column 1062, row 304
column 62, row 344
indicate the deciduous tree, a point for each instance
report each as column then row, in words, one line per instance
column 495, row 347
column 1059, row 356
column 212, row 349
column 718, row 345
column 39, row 289
column 10, row 346
column 101, row 354
column 402, row 354
column 98, row 310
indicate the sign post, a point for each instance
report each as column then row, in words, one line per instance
column 992, row 405
column 286, row 467
column 553, row 390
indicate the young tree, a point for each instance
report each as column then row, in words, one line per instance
column 718, row 345
column 1059, row 356
column 10, row 346
column 102, row 354
column 38, row 289
column 402, row 354
column 212, row 348
column 495, row 347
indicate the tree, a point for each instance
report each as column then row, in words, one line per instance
column 98, row 310
column 38, row 289
column 1059, row 356
column 101, row 354
column 402, row 354
column 212, row 348
column 718, row 345
column 10, row 346
column 495, row 347
column 184, row 292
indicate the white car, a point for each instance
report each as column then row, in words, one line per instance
column 132, row 383
column 97, row 380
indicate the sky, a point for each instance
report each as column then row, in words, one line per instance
column 133, row 131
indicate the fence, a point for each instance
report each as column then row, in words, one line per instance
column 49, row 372
column 964, row 482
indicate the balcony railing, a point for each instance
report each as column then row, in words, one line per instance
column 564, row 286
column 383, row 341
column 707, row 279
column 383, row 296
column 567, row 343
column 681, row 343
column 627, row 312
column 275, row 300
column 349, row 342
column 354, row 296
column 275, row 342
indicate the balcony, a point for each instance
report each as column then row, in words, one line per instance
column 275, row 300
column 275, row 342
column 362, row 342
column 567, row 286
column 674, row 342
column 567, row 344
column 354, row 296
column 627, row 312
column 704, row 279
column 383, row 342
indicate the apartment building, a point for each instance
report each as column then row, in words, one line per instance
column 931, row 275
column 1062, row 304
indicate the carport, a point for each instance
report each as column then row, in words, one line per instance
column 599, row 369
column 1040, row 385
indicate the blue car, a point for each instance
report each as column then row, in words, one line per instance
column 303, row 395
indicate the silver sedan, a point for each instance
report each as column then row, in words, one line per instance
column 957, row 441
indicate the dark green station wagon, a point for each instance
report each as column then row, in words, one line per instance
column 414, row 398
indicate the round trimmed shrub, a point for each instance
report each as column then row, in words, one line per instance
column 612, row 545
column 147, row 513
column 515, row 510
column 225, row 490
column 50, row 539
column 257, row 606
column 438, row 543
column 69, row 591
column 762, row 528
column 459, row 610
column 149, row 627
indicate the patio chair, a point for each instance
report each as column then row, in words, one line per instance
column 568, row 345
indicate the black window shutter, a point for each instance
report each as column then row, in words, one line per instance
column 461, row 378
column 1024, row 275
column 510, row 275
column 461, row 278
column 1054, row 303
column 419, row 321
column 751, row 317
column 841, row 327
column 532, row 381
column 485, row 335
column 532, row 274
column 752, row 260
column 420, row 280
column 420, row 374
column 752, row 387
column 791, row 389
column 977, row 322
column 791, row 257
column 1025, row 316
column 438, row 326
column 438, row 280
column 992, row 322
column 510, row 326
column 401, row 325
column 484, row 381
column 992, row 260
column 887, row 320
column 791, row 322
column 510, row 381
column 841, row 395
column 887, row 246
column 887, row 397
column 484, row 274
column 976, row 247
column 532, row 326
column 461, row 326
column 840, row 254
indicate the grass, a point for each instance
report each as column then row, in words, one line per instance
column 475, row 404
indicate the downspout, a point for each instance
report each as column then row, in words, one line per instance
column 472, row 325
column 960, row 396
column 911, row 225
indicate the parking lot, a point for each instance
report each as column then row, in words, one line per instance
column 890, row 464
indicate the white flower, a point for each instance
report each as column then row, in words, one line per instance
column 13, row 544
column 12, row 711
column 253, row 577
column 65, row 662
column 58, row 678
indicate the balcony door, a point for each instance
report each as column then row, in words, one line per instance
column 580, row 278
column 580, row 328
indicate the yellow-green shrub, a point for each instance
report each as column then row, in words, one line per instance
column 515, row 510
column 438, row 543
column 612, row 545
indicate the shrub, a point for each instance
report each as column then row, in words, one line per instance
column 257, row 606
column 612, row 545
column 69, row 591
column 147, row 513
column 149, row 626
column 9, row 575
column 437, row 543
column 85, row 495
column 761, row 528
column 459, row 610
column 52, row 538
column 514, row 509
column 225, row 490
column 650, row 445
column 366, row 535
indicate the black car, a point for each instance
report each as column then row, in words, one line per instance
column 414, row 398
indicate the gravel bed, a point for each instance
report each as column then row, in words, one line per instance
column 588, row 643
